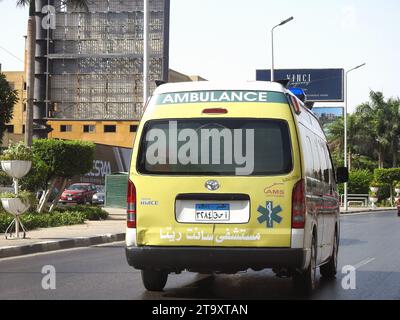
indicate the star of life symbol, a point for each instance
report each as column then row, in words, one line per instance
column 269, row 214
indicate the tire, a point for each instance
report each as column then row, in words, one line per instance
column 154, row 280
column 304, row 282
column 329, row 270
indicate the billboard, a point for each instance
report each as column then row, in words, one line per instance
column 320, row 85
column 327, row 115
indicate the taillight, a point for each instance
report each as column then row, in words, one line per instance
column 131, row 206
column 299, row 206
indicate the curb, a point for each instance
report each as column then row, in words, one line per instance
column 367, row 211
column 60, row 245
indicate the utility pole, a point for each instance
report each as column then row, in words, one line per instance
column 146, row 51
column 30, row 78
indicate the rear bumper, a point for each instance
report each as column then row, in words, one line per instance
column 213, row 259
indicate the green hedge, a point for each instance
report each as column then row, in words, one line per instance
column 387, row 176
column 91, row 213
column 61, row 217
column 34, row 220
column 359, row 181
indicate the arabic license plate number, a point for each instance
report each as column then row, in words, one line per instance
column 69, row 198
column 212, row 212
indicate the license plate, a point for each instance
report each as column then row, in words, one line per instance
column 212, row 212
column 70, row 199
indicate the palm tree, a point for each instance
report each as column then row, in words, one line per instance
column 394, row 107
column 378, row 118
column 30, row 66
column 356, row 137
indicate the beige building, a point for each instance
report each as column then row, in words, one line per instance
column 112, row 133
column 16, row 128
column 175, row 76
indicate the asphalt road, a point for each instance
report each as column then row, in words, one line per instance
column 370, row 242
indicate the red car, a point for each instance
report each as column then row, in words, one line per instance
column 80, row 193
column 398, row 207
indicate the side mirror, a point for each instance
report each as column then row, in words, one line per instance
column 342, row 175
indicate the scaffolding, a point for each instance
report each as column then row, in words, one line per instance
column 96, row 59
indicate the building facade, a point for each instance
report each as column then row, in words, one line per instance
column 89, row 74
column 16, row 128
column 89, row 65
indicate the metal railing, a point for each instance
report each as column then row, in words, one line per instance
column 355, row 198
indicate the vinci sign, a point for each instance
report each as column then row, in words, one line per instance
column 320, row 85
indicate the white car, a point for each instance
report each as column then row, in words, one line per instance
column 99, row 196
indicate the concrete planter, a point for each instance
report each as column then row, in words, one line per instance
column 16, row 169
column 374, row 189
column 14, row 206
column 373, row 200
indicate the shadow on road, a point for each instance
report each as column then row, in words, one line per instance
column 252, row 285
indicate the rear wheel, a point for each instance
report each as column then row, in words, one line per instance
column 329, row 270
column 305, row 281
column 154, row 280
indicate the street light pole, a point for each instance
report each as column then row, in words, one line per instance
column 272, row 46
column 346, row 207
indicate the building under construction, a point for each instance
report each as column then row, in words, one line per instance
column 89, row 61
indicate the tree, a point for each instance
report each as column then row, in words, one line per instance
column 394, row 108
column 30, row 72
column 373, row 135
column 8, row 98
column 61, row 163
column 389, row 177
column 378, row 120
column 355, row 138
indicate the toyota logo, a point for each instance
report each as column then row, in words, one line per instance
column 212, row 185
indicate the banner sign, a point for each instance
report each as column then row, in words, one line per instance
column 320, row 85
column 327, row 115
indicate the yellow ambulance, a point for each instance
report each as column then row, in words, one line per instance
column 230, row 177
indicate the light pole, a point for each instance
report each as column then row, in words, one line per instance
column 272, row 39
column 346, row 207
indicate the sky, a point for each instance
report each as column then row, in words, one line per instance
column 229, row 39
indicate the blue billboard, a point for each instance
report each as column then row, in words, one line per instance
column 320, row 85
column 327, row 115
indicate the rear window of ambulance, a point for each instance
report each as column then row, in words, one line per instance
column 220, row 147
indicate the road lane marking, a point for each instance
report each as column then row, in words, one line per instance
column 364, row 262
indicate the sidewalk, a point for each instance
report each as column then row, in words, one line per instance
column 88, row 234
column 59, row 238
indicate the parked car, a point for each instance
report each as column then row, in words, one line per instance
column 79, row 193
column 99, row 196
